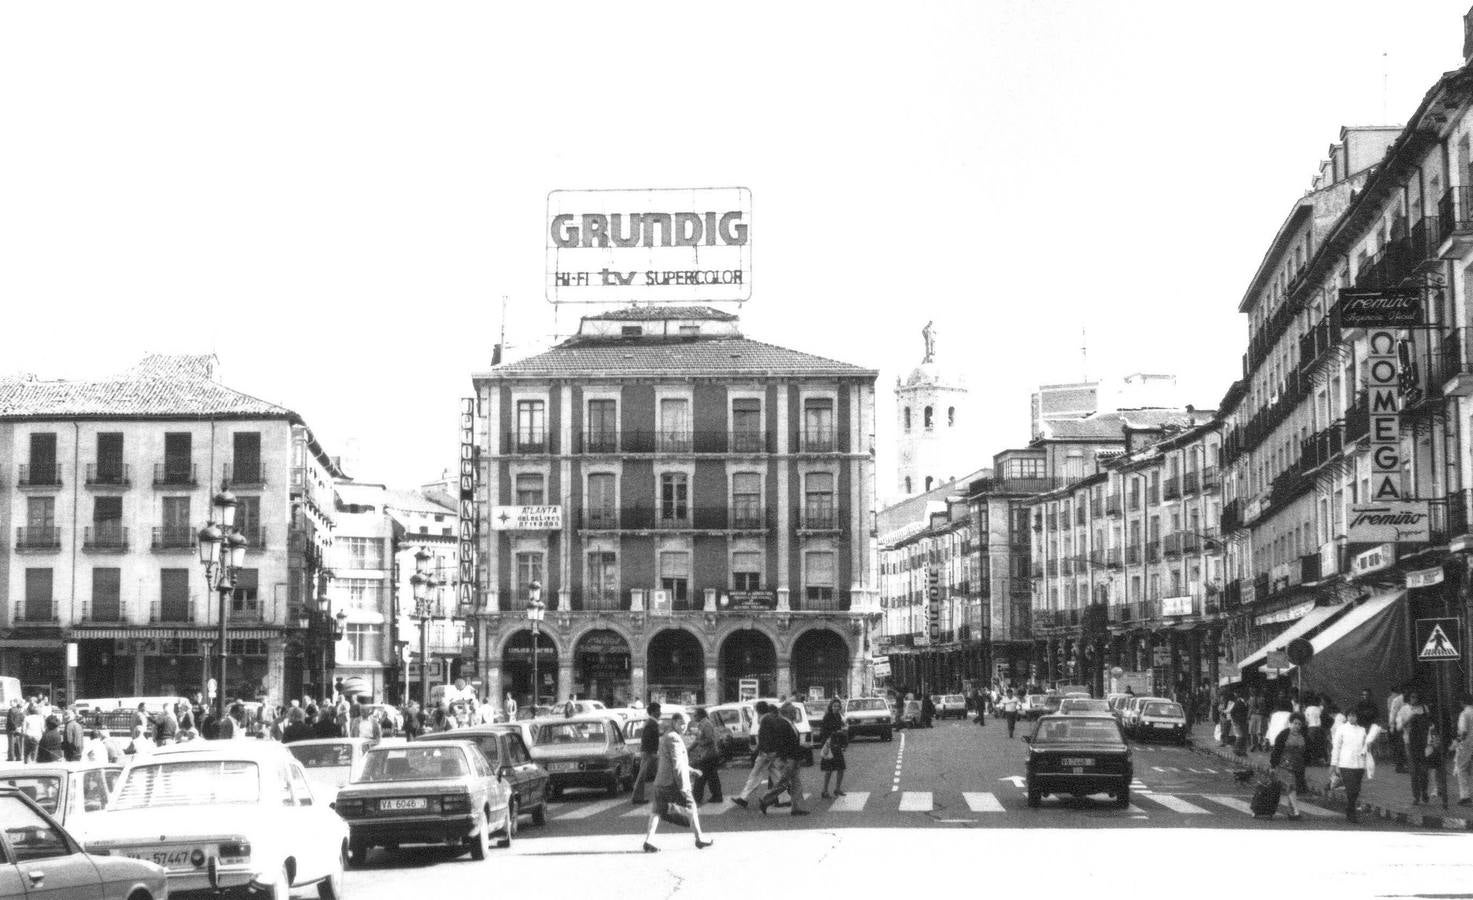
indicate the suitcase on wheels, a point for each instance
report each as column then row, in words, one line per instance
column 1266, row 798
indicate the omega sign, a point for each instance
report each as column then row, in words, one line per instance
column 678, row 245
column 1383, row 380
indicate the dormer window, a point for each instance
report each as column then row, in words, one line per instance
column 631, row 330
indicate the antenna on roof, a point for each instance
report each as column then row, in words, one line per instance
column 1385, row 82
column 1084, row 354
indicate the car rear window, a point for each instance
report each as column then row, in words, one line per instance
column 726, row 717
column 322, row 756
column 193, row 783
column 1086, row 706
column 414, row 764
column 867, row 705
column 1163, row 709
column 1078, row 731
column 45, row 790
column 573, row 733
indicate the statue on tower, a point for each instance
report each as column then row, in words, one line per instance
column 929, row 334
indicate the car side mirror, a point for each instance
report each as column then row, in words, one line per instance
column 333, row 805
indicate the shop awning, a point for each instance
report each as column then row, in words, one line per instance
column 1307, row 623
column 1368, row 647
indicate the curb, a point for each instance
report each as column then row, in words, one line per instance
column 1337, row 803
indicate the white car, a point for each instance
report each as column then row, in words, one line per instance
column 225, row 816
column 330, row 763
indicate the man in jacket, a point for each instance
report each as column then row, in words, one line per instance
column 15, row 743
column 72, row 739
column 788, row 750
column 649, row 752
column 766, row 758
column 168, row 726
column 1463, row 755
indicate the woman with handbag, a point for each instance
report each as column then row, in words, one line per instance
column 1290, row 751
column 673, row 800
column 705, row 756
column 834, row 737
column 1350, row 758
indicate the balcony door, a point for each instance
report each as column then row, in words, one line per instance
column 174, row 595
column 177, row 525
column 38, row 595
column 110, row 457
column 107, row 594
column 178, row 457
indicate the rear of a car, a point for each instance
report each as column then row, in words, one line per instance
column 582, row 752
column 869, row 716
column 1083, row 706
column 416, row 793
column 1078, row 755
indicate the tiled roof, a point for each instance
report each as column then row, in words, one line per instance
column 160, row 385
column 415, row 501
column 1112, row 424
column 737, row 356
column 656, row 313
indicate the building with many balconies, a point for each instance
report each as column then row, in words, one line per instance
column 105, row 486
column 694, row 508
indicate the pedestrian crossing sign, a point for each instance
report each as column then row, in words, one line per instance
column 1435, row 636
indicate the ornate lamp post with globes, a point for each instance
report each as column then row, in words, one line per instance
column 222, row 552
column 424, row 584
column 536, row 609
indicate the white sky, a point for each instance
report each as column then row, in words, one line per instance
column 334, row 197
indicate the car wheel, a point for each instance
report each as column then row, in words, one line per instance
column 1035, row 797
column 510, row 831
column 539, row 814
column 479, row 841
column 331, row 887
column 357, row 852
column 1122, row 799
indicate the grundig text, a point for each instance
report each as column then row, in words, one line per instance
column 682, row 229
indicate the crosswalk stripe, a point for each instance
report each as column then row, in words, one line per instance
column 1136, row 811
column 1176, row 804
column 1232, row 803
column 852, row 802
column 1317, row 811
column 982, row 802
column 591, row 809
column 916, row 801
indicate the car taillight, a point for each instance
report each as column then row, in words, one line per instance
column 455, row 803
column 351, row 807
column 235, row 852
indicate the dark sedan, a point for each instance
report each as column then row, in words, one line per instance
column 1078, row 755
column 584, row 751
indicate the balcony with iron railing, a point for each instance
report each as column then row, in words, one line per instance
column 1133, row 501
column 1153, row 551
column 1309, row 568
column 1132, row 554
column 747, row 519
column 1457, row 362
column 248, row 611
column 1051, row 568
column 175, row 474
column 170, row 537
column 1288, row 485
column 819, row 518
column 1066, row 565
column 109, row 537
column 1112, row 504
column 1425, row 241
column 1232, row 515
column 1189, row 483
column 1357, row 419
column 1391, row 265
column 1422, row 381
column 1320, row 339
column 34, row 539
column 34, row 611
column 1171, row 489
column 1321, row 447
column 1455, row 221
column 532, row 443
column 1113, row 557
column 171, row 611
column 1263, row 341
column 250, row 476
column 111, row 475
column 1153, row 494
column 1051, row 521
column 1457, row 513
column 1210, row 478
column 256, row 537
column 1175, row 544
column 1079, row 517
column 823, row 440
column 1260, row 587
column 600, row 519
column 105, row 611
column 1232, row 596
column 39, row 476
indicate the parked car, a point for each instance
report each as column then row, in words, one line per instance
column 1078, row 755
column 1161, row 719
column 1117, row 703
column 1034, row 705
column 580, row 707
column 585, row 751
column 330, row 763
column 40, row 857
column 70, row 792
column 224, row 816
column 870, row 715
column 737, row 722
column 1130, row 716
column 815, row 710
column 427, row 792
column 952, row 706
column 507, row 753
column 522, row 727
column 1083, row 706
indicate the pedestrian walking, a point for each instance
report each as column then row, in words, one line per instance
column 1010, row 711
column 1415, row 721
column 979, row 703
column 1290, row 752
column 764, row 759
column 790, row 756
column 705, row 755
column 168, row 728
column 32, row 728
column 1257, row 720
column 138, row 742
column 509, row 706
column 50, row 747
column 1394, row 704
column 1349, row 760
column 1463, row 753
column 1313, row 711
column 73, row 741
column 928, row 710
column 673, row 784
column 1238, row 716
column 649, row 752
column 15, row 740
column 833, row 737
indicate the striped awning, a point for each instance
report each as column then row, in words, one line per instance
column 203, row 634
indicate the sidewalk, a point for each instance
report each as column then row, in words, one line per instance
column 1388, row 796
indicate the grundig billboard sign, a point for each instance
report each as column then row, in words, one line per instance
column 675, row 245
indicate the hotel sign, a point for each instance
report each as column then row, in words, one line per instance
column 526, row 518
column 1390, row 522
column 1176, row 606
column 1380, row 308
column 677, row 245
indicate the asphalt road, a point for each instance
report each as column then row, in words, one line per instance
column 923, row 790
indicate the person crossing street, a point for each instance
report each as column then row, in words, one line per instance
column 1010, row 711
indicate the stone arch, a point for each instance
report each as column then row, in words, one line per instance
column 602, row 660
column 821, row 656
column 746, row 653
column 675, row 664
column 548, row 634
column 527, row 682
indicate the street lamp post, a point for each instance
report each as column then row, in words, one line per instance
column 222, row 552
column 535, row 611
column 423, row 583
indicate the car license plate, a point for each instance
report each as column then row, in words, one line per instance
column 404, row 803
column 563, row 767
column 171, row 858
column 1078, row 762
column 1163, row 724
